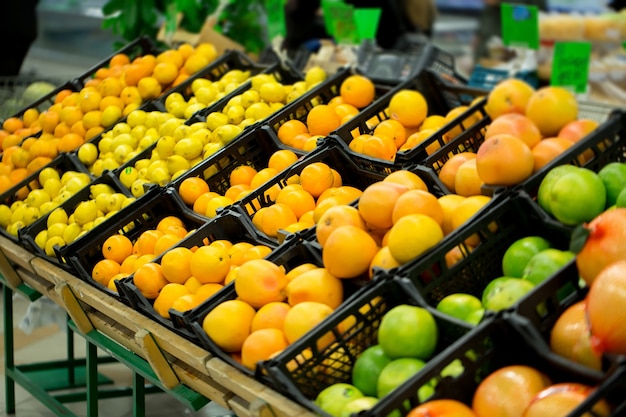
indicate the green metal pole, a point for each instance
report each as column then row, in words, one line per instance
column 71, row 377
column 9, row 355
column 92, row 379
column 139, row 395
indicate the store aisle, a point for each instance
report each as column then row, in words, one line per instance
column 47, row 343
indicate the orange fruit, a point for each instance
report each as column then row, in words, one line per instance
column 165, row 242
column 383, row 260
column 346, row 111
column 335, row 217
column 145, row 243
column 167, row 222
column 348, row 251
column 357, row 90
column 117, row 247
column 259, row 282
column 104, row 270
column 442, row 408
column 119, row 60
column 448, row 203
column 315, row 285
column 465, row 210
column 195, row 62
column 408, row 107
column 207, row 290
column 176, row 264
column 316, row 178
column 165, row 73
column 381, row 147
column 467, row 182
column 377, row 202
column 552, row 108
column 167, row 296
column 282, row 159
column 412, row 235
column 517, row 125
column 289, row 130
column 191, row 188
column 69, row 142
column 149, row 88
column 186, row 302
column 303, row 317
column 210, row 264
column 392, row 129
column 275, row 218
column 322, row 119
column 243, row 174
column 548, row 149
column 173, row 56
column 201, row 203
column 508, row 96
column 299, row 201
column 508, row 390
column 448, row 171
column 228, row 324
column 409, row 179
column 417, row 201
column 12, row 124
column 261, row 345
column 504, row 160
column 149, row 280
column 237, row 252
column 128, row 265
column 270, row 316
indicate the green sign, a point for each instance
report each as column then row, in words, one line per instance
column 366, row 21
column 328, row 19
column 520, row 25
column 276, row 25
column 570, row 65
column 341, row 21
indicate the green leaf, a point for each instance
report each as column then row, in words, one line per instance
column 113, row 6
column 579, row 238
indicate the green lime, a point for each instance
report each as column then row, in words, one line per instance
column 333, row 398
column 503, row 292
column 613, row 175
column 397, row 372
column 545, row 188
column 519, row 253
column 545, row 264
column 459, row 305
column 367, row 368
column 408, row 331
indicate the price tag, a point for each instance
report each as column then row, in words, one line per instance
column 570, row 65
column 520, row 25
column 366, row 21
column 276, row 25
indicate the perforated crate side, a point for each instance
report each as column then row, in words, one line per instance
column 309, row 365
column 497, row 226
column 490, row 346
column 46, row 101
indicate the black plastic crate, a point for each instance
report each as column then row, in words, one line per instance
column 499, row 224
column 12, row 89
column 441, row 96
column 253, row 147
column 302, row 376
column 61, row 164
column 604, row 145
column 319, row 94
column 138, row 47
column 335, row 156
column 46, row 101
column 131, row 221
column 611, row 391
column 28, row 234
column 473, row 136
column 492, row 345
column 290, row 254
column 231, row 60
column 227, row 226
column 540, row 310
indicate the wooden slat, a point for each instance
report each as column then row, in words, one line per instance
column 159, row 363
column 168, row 341
column 17, row 254
column 240, row 407
column 73, row 308
column 266, row 401
column 7, row 270
column 202, row 384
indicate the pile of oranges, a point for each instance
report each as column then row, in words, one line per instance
column 355, row 93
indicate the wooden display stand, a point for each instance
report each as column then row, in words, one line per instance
column 154, row 354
